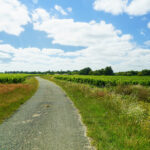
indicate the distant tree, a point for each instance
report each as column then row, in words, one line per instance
column 91, row 72
column 132, row 73
column 74, row 72
column 101, row 72
column 85, row 71
column 96, row 72
column 108, row 71
column 145, row 72
column 127, row 73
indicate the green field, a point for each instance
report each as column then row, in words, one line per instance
column 102, row 81
column 115, row 109
column 13, row 78
column 117, row 117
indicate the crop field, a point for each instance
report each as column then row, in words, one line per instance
column 13, row 78
column 102, row 81
column 117, row 117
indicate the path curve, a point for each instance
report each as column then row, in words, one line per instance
column 48, row 121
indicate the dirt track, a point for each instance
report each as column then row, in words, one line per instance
column 48, row 121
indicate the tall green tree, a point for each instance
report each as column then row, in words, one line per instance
column 85, row 71
column 108, row 71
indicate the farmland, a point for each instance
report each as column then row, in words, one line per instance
column 13, row 78
column 102, row 81
column 116, row 110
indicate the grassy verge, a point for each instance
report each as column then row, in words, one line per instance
column 115, row 121
column 13, row 95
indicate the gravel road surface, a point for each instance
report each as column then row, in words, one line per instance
column 48, row 121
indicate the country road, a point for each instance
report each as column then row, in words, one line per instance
column 48, row 121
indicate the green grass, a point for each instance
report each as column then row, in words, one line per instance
column 13, row 95
column 114, row 121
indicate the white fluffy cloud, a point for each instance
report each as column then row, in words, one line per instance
column 6, row 48
column 13, row 15
column 69, row 32
column 103, row 45
column 5, row 51
column 4, row 55
column 26, row 59
column 133, row 7
column 60, row 9
column 111, row 6
column 52, row 51
column 138, row 7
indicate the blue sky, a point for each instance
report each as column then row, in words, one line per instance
column 68, row 35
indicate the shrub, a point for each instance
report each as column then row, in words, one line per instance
column 124, row 89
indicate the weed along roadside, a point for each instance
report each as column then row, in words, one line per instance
column 116, row 117
column 15, row 91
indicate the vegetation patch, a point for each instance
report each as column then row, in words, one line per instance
column 115, row 120
column 102, row 81
column 13, row 78
column 13, row 95
column 140, row 92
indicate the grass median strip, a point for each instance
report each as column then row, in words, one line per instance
column 114, row 121
column 13, row 95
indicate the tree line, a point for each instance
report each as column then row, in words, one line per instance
column 88, row 71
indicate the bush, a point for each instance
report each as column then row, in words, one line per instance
column 124, row 89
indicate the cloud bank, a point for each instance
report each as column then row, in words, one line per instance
column 103, row 45
column 115, row 7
